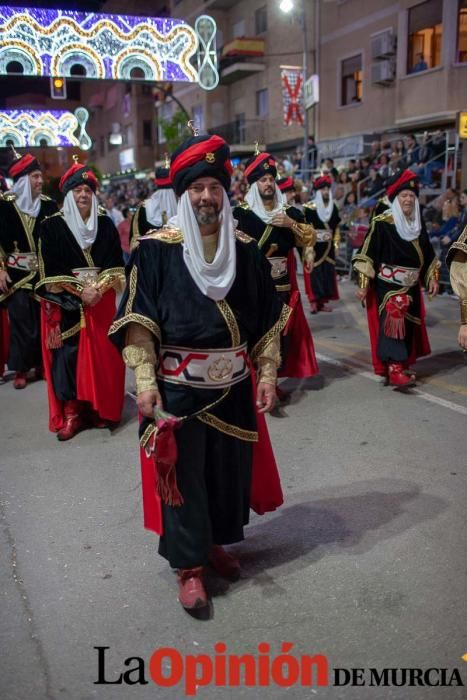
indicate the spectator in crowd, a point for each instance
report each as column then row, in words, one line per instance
column 349, row 211
column 123, row 229
column 374, row 185
column 375, row 151
column 312, row 153
column 339, row 197
column 112, row 211
column 327, row 165
column 412, row 152
column 462, row 223
column 344, row 181
column 384, row 169
column 420, row 64
column 399, row 153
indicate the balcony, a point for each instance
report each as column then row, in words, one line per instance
column 240, row 58
column 241, row 135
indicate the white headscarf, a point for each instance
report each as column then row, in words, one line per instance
column 24, row 200
column 324, row 210
column 84, row 233
column 408, row 229
column 253, row 198
column 213, row 279
column 160, row 201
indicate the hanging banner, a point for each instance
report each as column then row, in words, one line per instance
column 292, row 94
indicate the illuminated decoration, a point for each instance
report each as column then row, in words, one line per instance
column 207, row 55
column 26, row 128
column 47, row 42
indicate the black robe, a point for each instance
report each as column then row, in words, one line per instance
column 215, row 441
column 273, row 241
column 384, row 246
column 18, row 236
column 322, row 285
column 59, row 255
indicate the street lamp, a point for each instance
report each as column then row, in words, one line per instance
column 288, row 6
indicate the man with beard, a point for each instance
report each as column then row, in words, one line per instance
column 21, row 211
column 81, row 266
column 278, row 229
column 199, row 308
column 322, row 214
column 457, row 262
column 395, row 260
column 155, row 212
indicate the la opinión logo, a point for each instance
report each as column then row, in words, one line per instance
column 168, row 668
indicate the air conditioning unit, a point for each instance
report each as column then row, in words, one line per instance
column 383, row 44
column 383, row 72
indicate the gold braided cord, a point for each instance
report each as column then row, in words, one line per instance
column 71, row 331
column 228, row 428
column 265, row 236
column 230, row 320
column 132, row 289
column 136, row 318
column 28, row 224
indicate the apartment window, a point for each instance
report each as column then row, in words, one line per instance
column 165, row 112
column 147, row 132
column 261, row 102
column 351, row 80
column 239, row 128
column 425, row 34
column 261, row 20
column 461, row 55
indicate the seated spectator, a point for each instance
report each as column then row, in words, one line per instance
column 374, row 184
column 375, row 152
column 349, row 210
column 383, row 169
column 339, row 196
column 412, row 152
column 344, row 181
column 420, row 64
column 123, row 229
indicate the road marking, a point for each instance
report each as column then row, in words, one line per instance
column 355, row 367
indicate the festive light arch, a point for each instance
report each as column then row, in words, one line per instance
column 48, row 42
column 31, row 128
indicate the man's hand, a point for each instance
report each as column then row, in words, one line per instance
column 90, row 296
column 361, row 295
column 265, row 397
column 433, row 287
column 463, row 337
column 146, row 401
column 4, row 278
column 282, row 220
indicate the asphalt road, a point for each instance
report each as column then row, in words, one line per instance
column 364, row 563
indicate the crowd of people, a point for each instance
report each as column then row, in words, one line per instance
column 210, row 316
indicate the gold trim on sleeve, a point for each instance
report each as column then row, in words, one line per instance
column 136, row 318
column 276, row 329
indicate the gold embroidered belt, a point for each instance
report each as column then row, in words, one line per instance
column 86, row 275
column 23, row 261
column 205, row 369
column 397, row 274
column 278, row 267
column 323, row 235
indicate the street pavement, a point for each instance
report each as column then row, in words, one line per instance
column 364, row 563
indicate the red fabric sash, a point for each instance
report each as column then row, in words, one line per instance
column 100, row 368
column 4, row 340
column 420, row 345
column 265, row 495
column 301, row 359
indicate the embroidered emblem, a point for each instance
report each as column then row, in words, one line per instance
column 220, row 369
column 210, row 157
column 266, row 166
column 85, row 176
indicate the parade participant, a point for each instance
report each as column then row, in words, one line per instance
column 287, row 187
column 155, row 212
column 395, row 260
column 200, row 306
column 278, row 229
column 81, row 266
column 321, row 283
column 21, row 211
column 457, row 262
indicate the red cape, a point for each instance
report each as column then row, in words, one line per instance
column 420, row 345
column 265, row 495
column 301, row 359
column 4, row 340
column 100, row 368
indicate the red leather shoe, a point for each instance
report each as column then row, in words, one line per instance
column 191, row 591
column 399, row 377
column 20, row 380
column 73, row 421
column 224, row 563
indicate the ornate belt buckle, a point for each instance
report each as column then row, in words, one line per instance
column 220, row 369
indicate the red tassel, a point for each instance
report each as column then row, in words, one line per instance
column 396, row 309
column 54, row 338
column 165, row 457
column 53, row 316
